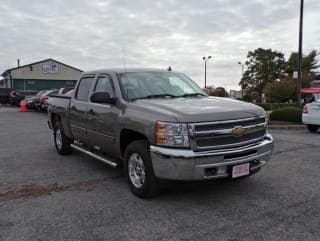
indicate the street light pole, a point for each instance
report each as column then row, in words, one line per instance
column 205, row 59
column 205, row 73
column 299, row 82
column 242, row 68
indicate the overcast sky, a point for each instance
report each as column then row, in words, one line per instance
column 98, row 33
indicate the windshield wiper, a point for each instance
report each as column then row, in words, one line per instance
column 168, row 95
column 154, row 96
column 191, row 95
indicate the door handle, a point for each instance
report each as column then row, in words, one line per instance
column 91, row 112
column 73, row 108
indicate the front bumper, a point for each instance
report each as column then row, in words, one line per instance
column 185, row 164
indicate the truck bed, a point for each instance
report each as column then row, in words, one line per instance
column 60, row 105
column 59, row 102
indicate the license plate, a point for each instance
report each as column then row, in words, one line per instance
column 240, row 170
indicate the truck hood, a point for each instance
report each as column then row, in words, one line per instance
column 200, row 109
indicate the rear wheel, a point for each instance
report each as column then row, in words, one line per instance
column 139, row 171
column 61, row 141
column 313, row 128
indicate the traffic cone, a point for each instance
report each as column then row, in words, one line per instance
column 23, row 106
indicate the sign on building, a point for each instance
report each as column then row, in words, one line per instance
column 50, row 68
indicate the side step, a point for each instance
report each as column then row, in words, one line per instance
column 98, row 157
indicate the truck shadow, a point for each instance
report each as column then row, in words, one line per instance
column 223, row 186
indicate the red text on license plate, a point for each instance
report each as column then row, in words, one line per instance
column 240, row 170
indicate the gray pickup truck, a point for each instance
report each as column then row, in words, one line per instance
column 159, row 125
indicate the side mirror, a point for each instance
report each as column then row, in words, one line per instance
column 102, row 98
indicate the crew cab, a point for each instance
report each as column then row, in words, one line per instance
column 159, row 125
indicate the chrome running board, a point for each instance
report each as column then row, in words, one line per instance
column 109, row 162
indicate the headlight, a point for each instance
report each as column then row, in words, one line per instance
column 172, row 134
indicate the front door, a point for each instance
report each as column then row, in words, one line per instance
column 79, row 108
column 102, row 118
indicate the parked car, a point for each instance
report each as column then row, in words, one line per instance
column 65, row 90
column 32, row 100
column 159, row 125
column 17, row 95
column 42, row 103
column 4, row 95
column 311, row 115
column 69, row 93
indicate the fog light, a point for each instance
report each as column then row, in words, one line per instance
column 211, row 171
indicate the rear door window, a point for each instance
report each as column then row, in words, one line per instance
column 83, row 90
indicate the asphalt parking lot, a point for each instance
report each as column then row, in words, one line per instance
column 45, row 196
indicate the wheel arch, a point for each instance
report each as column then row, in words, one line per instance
column 127, row 136
column 54, row 118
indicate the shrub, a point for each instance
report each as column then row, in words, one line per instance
column 280, row 91
column 290, row 114
column 274, row 106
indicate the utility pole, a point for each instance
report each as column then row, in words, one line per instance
column 242, row 68
column 299, row 82
column 205, row 59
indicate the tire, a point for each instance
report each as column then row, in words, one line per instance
column 36, row 107
column 61, row 141
column 139, row 171
column 313, row 128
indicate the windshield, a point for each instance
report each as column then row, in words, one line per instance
column 143, row 85
column 40, row 92
column 70, row 92
column 49, row 92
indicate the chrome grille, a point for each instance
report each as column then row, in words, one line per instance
column 228, row 124
column 220, row 134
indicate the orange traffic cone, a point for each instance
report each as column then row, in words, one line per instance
column 23, row 106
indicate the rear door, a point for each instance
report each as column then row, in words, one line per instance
column 102, row 118
column 314, row 112
column 79, row 108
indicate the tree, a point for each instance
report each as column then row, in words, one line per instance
column 309, row 66
column 285, row 89
column 280, row 91
column 263, row 66
column 210, row 90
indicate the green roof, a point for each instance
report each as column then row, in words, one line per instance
column 45, row 60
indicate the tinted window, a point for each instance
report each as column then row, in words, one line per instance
column 27, row 92
column 83, row 89
column 104, row 84
column 5, row 90
column 53, row 92
column 69, row 93
column 45, row 93
column 49, row 92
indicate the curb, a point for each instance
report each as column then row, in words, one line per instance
column 287, row 127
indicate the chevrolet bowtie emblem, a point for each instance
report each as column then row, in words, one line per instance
column 238, row 131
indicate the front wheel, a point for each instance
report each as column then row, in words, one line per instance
column 313, row 128
column 139, row 171
column 61, row 141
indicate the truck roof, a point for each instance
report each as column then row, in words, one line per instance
column 124, row 70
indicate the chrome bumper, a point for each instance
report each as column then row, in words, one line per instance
column 185, row 164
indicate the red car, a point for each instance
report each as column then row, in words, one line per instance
column 42, row 102
column 17, row 95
